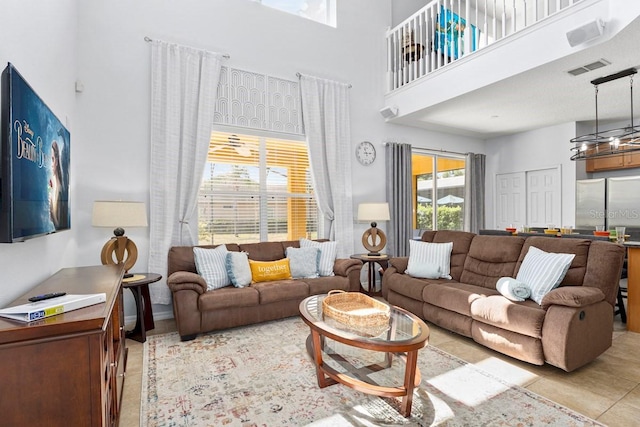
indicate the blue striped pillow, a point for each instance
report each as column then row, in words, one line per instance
column 211, row 265
column 543, row 271
column 436, row 255
column 328, row 254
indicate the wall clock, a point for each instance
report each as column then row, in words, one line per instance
column 365, row 153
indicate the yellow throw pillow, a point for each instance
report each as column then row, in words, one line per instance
column 267, row 271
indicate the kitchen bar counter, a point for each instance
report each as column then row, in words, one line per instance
column 633, row 286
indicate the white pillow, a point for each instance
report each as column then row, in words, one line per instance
column 328, row 253
column 433, row 254
column 543, row 271
column 238, row 269
column 211, row 265
column 303, row 262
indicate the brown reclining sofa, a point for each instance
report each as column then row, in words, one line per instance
column 573, row 325
column 197, row 310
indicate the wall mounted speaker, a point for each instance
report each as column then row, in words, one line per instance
column 389, row 112
column 585, row 32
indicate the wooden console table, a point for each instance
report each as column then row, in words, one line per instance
column 68, row 369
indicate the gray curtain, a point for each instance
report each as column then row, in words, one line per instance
column 398, row 164
column 474, row 192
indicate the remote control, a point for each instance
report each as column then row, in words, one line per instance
column 46, row 296
column 127, row 275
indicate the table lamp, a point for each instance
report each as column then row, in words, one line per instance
column 373, row 239
column 119, row 214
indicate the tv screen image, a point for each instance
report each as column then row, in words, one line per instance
column 34, row 194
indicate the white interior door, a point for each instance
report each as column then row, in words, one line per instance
column 511, row 200
column 543, row 198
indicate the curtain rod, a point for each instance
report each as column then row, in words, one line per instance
column 349, row 85
column 149, row 40
column 431, row 150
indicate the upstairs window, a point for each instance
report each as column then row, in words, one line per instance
column 322, row 11
column 256, row 189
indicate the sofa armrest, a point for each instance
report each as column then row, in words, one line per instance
column 185, row 281
column 399, row 263
column 343, row 266
column 572, row 296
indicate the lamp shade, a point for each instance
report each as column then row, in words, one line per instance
column 119, row 214
column 373, row 212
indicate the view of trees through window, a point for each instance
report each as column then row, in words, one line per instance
column 256, row 189
column 438, row 192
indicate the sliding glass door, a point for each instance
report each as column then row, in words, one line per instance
column 438, row 191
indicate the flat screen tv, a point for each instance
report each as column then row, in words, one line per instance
column 34, row 163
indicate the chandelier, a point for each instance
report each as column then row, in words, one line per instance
column 610, row 142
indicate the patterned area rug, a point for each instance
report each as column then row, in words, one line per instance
column 261, row 375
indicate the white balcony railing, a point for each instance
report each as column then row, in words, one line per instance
column 446, row 30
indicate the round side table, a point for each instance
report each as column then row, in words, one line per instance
column 372, row 260
column 139, row 287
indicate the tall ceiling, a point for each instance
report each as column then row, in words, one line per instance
column 544, row 96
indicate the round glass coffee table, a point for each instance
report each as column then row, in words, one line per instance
column 350, row 357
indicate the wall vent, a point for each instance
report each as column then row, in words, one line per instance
column 589, row 67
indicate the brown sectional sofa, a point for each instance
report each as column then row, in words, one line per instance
column 573, row 325
column 197, row 310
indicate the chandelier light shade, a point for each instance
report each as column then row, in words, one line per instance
column 613, row 141
column 118, row 214
column 374, row 239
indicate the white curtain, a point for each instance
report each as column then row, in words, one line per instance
column 184, row 83
column 325, row 115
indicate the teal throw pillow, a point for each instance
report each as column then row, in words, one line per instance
column 238, row 269
column 303, row 262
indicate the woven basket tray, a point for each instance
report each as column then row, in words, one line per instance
column 356, row 310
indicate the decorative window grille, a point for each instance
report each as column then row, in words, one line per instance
column 256, row 189
column 258, row 101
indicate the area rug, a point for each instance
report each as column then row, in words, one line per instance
column 261, row 375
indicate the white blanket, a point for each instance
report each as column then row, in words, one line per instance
column 512, row 289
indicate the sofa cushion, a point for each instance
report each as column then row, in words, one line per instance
column 181, row 257
column 542, row 271
column 581, row 248
column 455, row 296
column 281, row 290
column 461, row 242
column 322, row 285
column 434, row 255
column 211, row 265
column 269, row 271
column 228, row 297
column 525, row 318
column 264, row 251
column 238, row 269
column 303, row 262
column 328, row 254
column 490, row 258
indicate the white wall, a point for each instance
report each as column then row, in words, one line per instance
column 537, row 149
column 113, row 111
column 39, row 39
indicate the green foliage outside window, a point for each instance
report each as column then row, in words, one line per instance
column 449, row 217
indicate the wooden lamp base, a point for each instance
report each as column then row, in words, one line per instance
column 374, row 240
column 119, row 246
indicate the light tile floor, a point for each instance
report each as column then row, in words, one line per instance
column 608, row 389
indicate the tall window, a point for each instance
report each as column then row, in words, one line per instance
column 322, row 11
column 438, row 192
column 256, row 189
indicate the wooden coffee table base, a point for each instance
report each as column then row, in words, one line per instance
column 327, row 376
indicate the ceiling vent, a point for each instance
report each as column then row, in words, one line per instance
column 589, row 67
